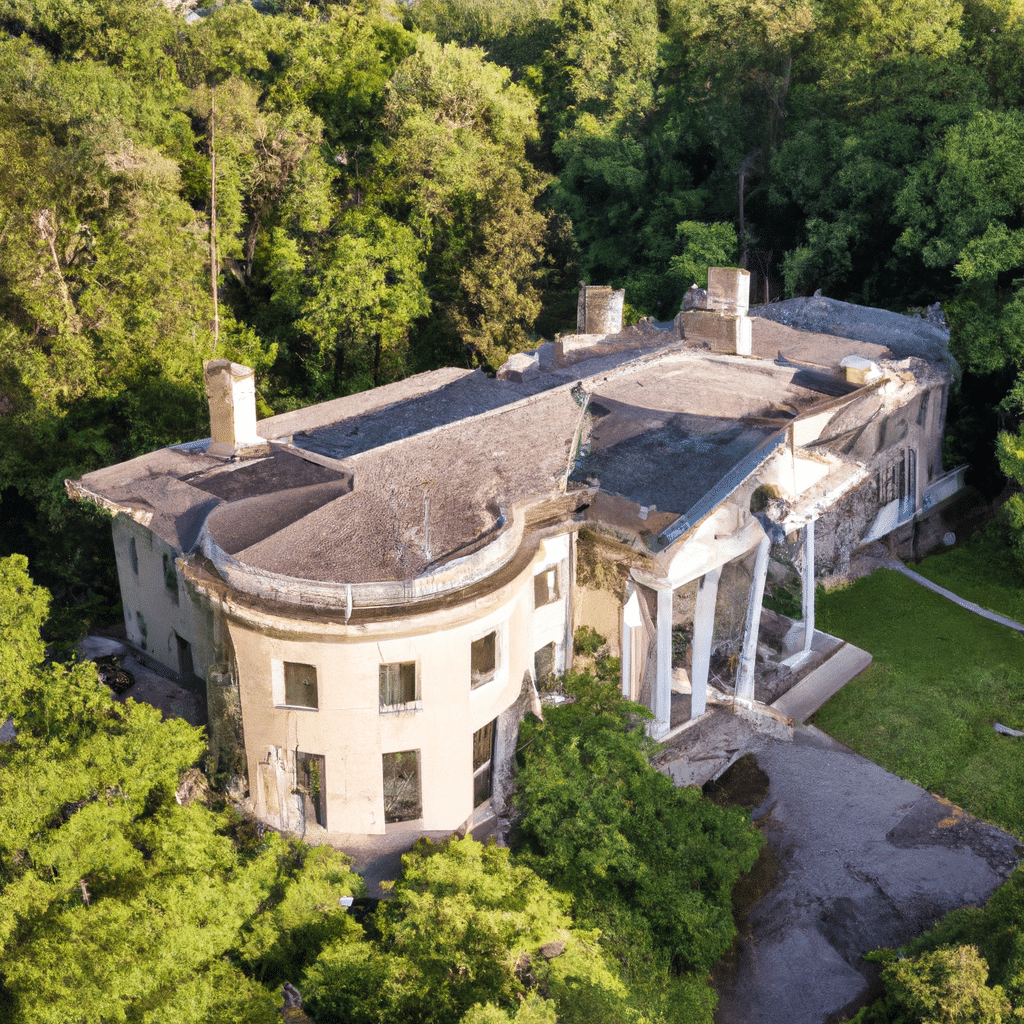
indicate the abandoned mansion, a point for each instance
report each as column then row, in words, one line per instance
column 373, row 589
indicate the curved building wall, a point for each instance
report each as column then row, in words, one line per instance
column 435, row 710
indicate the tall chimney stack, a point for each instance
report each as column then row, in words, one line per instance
column 231, row 392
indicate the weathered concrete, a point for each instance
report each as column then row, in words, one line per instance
column 803, row 699
column 866, row 860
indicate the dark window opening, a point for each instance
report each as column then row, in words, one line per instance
column 133, row 556
column 398, row 684
column 300, row 688
column 545, row 587
column 922, row 411
column 402, row 798
column 483, row 754
column 185, row 664
column 310, row 785
column 483, row 659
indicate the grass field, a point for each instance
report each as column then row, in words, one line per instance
column 940, row 680
column 982, row 571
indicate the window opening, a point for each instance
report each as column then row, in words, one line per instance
column 170, row 576
column 300, row 689
column 483, row 659
column 402, row 797
column 545, row 587
column 544, row 664
column 310, row 785
column 185, row 664
column 483, row 755
column 133, row 556
column 398, row 684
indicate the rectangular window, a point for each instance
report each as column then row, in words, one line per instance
column 544, row 664
column 483, row 754
column 300, row 690
column 545, row 587
column 310, row 784
column 483, row 659
column 398, row 684
column 402, row 799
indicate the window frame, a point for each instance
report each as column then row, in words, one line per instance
column 279, row 681
column 553, row 583
column 484, row 767
column 496, row 632
column 414, row 703
column 417, row 758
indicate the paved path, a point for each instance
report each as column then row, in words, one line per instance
column 866, row 860
column 949, row 595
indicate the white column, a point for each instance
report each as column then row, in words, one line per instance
column 745, row 674
column 703, row 632
column 808, row 586
column 662, row 696
column 631, row 621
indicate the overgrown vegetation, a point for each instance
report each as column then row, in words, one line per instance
column 650, row 865
column 116, row 902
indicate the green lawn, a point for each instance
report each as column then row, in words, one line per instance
column 940, row 679
column 982, row 571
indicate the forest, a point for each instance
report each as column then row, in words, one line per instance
column 343, row 194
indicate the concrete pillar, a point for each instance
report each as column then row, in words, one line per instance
column 808, row 586
column 599, row 309
column 745, row 674
column 662, row 696
column 703, row 632
column 632, row 620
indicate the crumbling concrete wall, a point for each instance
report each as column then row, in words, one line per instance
column 599, row 309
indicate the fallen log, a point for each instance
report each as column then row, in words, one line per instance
column 1006, row 730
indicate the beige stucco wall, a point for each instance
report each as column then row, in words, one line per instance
column 154, row 613
column 350, row 730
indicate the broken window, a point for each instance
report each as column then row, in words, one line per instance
column 898, row 482
column 402, row 799
column 300, row 690
column 483, row 754
column 398, row 684
column 310, row 786
column 545, row 587
column 544, row 664
column 483, row 659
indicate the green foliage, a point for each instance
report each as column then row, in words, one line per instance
column 650, row 864
column 587, row 640
column 703, row 246
column 467, row 935
column 945, row 987
column 116, row 902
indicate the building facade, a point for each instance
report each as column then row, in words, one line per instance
column 374, row 588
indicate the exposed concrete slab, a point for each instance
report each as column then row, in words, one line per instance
column 808, row 695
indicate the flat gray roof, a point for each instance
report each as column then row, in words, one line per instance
column 386, row 484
